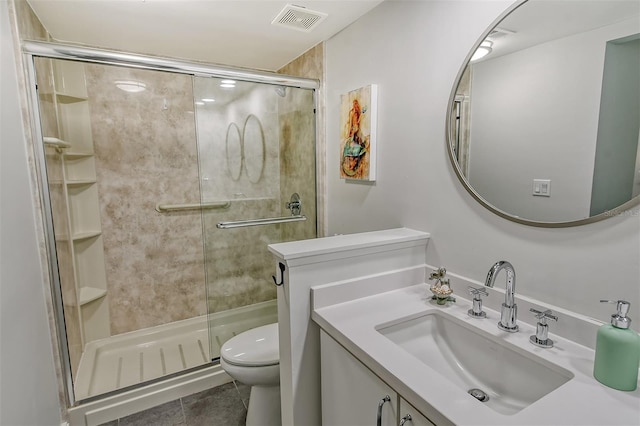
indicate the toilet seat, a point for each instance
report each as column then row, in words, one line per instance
column 257, row 347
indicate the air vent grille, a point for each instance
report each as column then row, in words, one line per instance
column 298, row 18
column 498, row 32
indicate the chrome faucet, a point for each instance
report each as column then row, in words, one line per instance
column 509, row 311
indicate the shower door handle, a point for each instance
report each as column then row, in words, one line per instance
column 275, row 280
column 294, row 204
column 256, row 222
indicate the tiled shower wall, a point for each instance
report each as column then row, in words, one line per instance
column 297, row 155
column 145, row 146
column 311, row 65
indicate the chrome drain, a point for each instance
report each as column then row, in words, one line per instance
column 478, row 394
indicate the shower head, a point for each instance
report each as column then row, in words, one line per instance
column 281, row 91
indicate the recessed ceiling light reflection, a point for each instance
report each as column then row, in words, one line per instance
column 199, row 103
column 227, row 84
column 483, row 50
column 131, row 86
column 208, row 100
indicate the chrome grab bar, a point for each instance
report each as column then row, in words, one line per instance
column 294, row 204
column 256, row 222
column 165, row 208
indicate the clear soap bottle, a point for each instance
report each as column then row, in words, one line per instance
column 617, row 351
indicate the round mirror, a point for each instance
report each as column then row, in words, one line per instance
column 254, row 148
column 233, row 151
column 544, row 118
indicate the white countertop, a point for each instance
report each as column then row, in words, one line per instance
column 580, row 401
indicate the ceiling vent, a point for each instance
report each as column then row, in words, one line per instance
column 298, row 18
column 498, row 32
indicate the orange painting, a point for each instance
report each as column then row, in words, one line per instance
column 357, row 134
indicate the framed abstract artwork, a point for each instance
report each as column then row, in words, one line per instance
column 358, row 121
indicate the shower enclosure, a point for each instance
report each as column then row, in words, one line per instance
column 163, row 183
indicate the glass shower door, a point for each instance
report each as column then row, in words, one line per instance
column 119, row 152
column 256, row 148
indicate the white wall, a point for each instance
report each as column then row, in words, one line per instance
column 534, row 115
column 28, row 388
column 413, row 50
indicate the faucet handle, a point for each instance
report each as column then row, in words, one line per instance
column 476, row 311
column 541, row 338
column 543, row 315
column 477, row 292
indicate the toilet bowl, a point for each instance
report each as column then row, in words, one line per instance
column 253, row 358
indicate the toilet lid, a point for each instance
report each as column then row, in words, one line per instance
column 256, row 347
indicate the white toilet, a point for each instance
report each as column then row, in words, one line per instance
column 253, row 358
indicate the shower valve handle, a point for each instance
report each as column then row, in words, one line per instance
column 295, row 204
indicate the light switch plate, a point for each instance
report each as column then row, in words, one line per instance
column 542, row 187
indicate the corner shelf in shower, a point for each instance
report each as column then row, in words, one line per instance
column 77, row 155
column 79, row 236
column 61, row 98
column 85, row 235
column 87, row 284
column 70, row 99
column 89, row 294
column 63, row 95
column 81, row 182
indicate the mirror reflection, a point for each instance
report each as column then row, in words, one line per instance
column 545, row 119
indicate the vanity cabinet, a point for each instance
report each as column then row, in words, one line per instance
column 353, row 395
column 417, row 419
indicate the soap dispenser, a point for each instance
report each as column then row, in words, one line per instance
column 617, row 351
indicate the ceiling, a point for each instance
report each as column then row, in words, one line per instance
column 226, row 32
column 539, row 21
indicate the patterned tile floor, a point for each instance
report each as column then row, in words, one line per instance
column 224, row 405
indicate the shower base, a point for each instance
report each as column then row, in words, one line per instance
column 136, row 357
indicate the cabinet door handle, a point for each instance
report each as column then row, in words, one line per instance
column 387, row 398
column 405, row 419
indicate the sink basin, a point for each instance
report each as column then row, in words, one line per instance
column 477, row 362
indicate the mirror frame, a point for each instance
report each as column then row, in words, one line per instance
column 456, row 167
